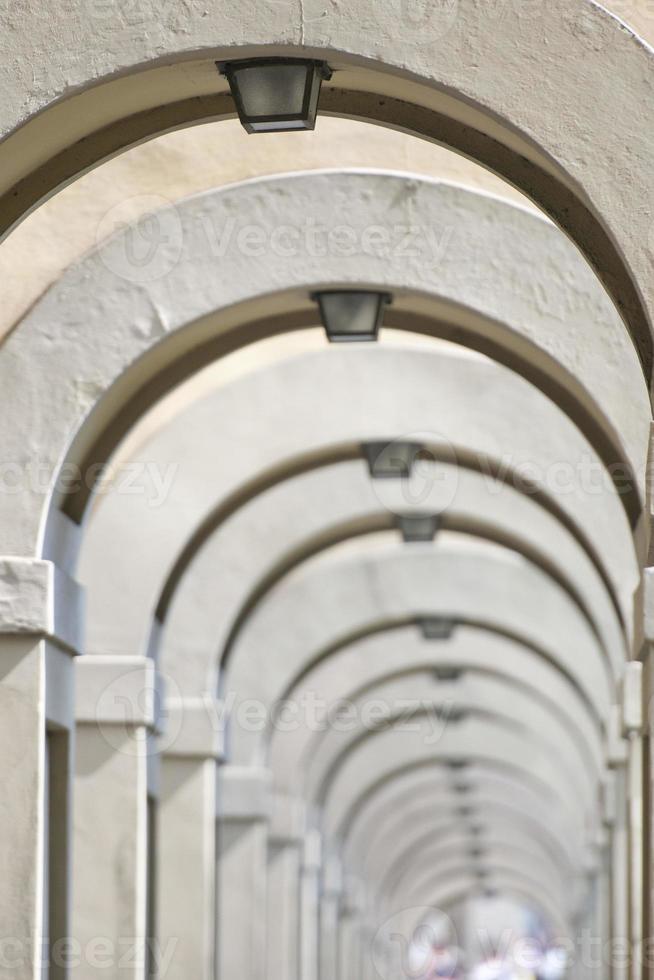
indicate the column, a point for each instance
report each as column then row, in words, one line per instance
column 632, row 729
column 647, row 656
column 371, row 957
column 617, row 761
column 350, row 946
column 115, row 776
column 244, row 805
column 186, row 852
column 285, row 848
column 330, row 901
column 40, row 613
column 609, row 817
column 310, row 905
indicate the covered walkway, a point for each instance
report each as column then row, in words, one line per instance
column 326, row 606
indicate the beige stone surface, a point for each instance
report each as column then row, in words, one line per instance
column 593, row 126
column 196, row 159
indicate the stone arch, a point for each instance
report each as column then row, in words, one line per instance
column 441, row 819
column 437, row 390
column 409, row 684
column 525, row 802
column 400, row 751
column 409, row 584
column 511, row 880
column 103, row 102
column 401, row 650
column 376, row 759
column 452, row 859
column 277, row 517
column 198, row 313
column 494, row 724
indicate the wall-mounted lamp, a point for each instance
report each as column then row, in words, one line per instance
column 452, row 714
column 448, row 675
column 419, row 528
column 391, row 460
column 351, row 315
column 275, row 95
column 437, row 627
column 457, row 765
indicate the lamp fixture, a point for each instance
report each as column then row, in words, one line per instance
column 457, row 765
column 437, row 627
column 453, row 714
column 418, row 528
column 351, row 315
column 448, row 675
column 275, row 95
column 391, row 460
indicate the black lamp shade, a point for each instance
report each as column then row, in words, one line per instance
column 457, row 765
column 351, row 316
column 445, row 675
column 391, row 460
column 275, row 95
column 417, row 528
column 437, row 627
column 454, row 715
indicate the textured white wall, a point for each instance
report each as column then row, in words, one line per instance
column 199, row 158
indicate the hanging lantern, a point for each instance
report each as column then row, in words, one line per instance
column 275, row 95
column 351, row 315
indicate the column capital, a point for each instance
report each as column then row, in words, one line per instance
column 312, row 851
column 632, row 699
column 609, row 800
column 198, row 734
column 616, row 747
column 117, row 690
column 37, row 598
column 244, row 793
column 648, row 605
column 354, row 896
column 332, row 876
column 288, row 820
